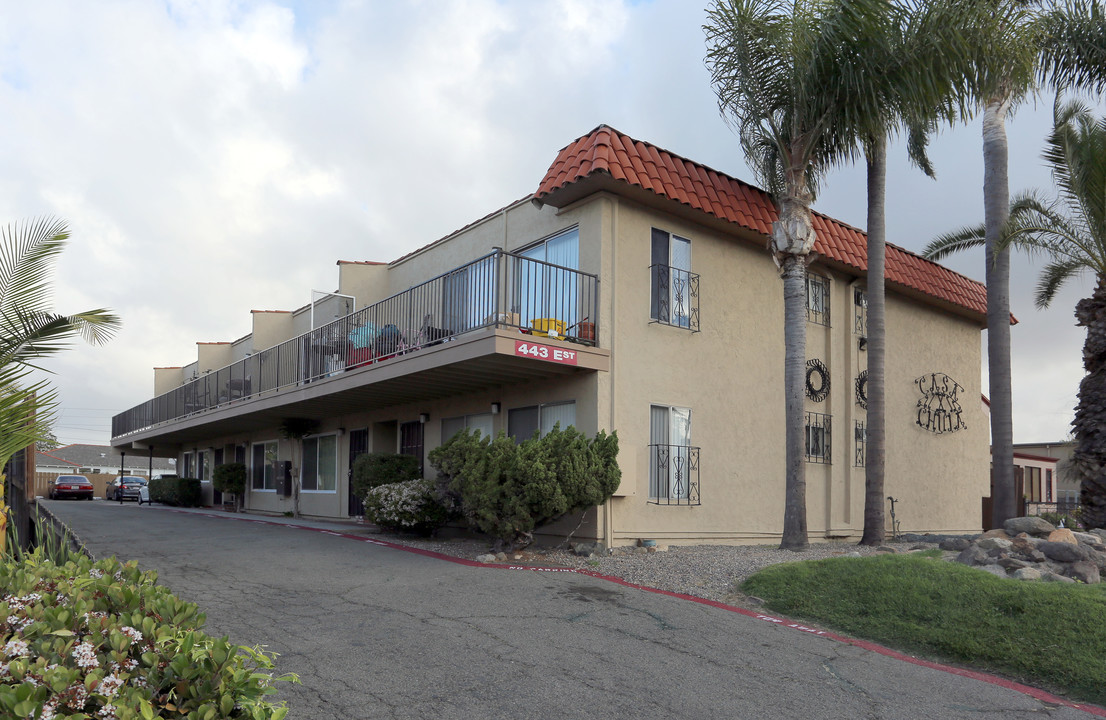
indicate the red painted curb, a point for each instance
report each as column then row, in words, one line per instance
column 1033, row 692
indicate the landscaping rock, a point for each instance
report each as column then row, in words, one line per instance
column 1063, row 535
column 1084, row 571
column 501, row 557
column 887, row 549
column 956, row 544
column 1063, row 552
column 996, row 570
column 994, row 543
column 588, row 549
column 1032, row 525
column 1087, row 538
column 1028, row 573
column 1012, row 563
column 973, row 556
column 1100, row 532
column 1053, row 577
column 997, row 533
column 487, row 558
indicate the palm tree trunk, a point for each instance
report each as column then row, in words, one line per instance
column 793, row 271
column 1089, row 458
column 996, row 203
column 875, row 448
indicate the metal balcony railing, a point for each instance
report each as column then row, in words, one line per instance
column 675, row 297
column 673, row 474
column 500, row 289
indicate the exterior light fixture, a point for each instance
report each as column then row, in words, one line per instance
column 424, row 418
column 495, row 408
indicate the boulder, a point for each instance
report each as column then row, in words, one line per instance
column 1028, row 573
column 995, row 543
column 1032, row 525
column 972, row 555
column 997, row 533
column 1100, row 532
column 1087, row 538
column 955, row 544
column 1084, row 571
column 996, row 570
column 1063, row 535
column 485, row 558
column 1012, row 563
column 1053, row 577
column 1063, row 552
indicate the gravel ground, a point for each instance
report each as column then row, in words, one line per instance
column 713, row 572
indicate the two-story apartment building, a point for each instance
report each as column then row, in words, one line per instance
column 631, row 292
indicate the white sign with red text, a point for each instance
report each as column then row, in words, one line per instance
column 545, row 352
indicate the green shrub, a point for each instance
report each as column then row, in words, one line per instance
column 1070, row 521
column 173, row 490
column 412, row 505
column 229, row 478
column 101, row 639
column 508, row 490
column 375, row 469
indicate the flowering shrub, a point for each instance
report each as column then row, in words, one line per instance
column 101, row 640
column 410, row 505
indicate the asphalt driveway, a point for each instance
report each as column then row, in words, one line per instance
column 375, row 632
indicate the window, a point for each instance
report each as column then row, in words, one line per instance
column 674, row 289
column 1048, row 485
column 860, row 312
column 523, row 422
column 320, row 464
column 860, row 440
column 411, row 437
column 548, row 287
column 263, row 471
column 818, row 299
column 818, row 426
column 673, row 462
column 187, row 465
column 468, row 295
column 480, row 421
column 1032, row 488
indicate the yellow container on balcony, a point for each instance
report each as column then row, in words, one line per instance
column 548, row 326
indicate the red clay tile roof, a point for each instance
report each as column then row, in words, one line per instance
column 606, row 150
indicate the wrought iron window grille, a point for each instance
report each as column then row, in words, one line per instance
column 675, row 297
column 860, row 439
column 860, row 312
column 818, row 299
column 674, row 475
column 818, row 437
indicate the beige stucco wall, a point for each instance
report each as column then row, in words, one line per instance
column 730, row 375
column 270, row 327
column 166, row 379
column 368, row 282
column 212, row 356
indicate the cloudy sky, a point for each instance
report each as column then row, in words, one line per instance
column 217, row 156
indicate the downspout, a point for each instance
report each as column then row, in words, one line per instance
column 608, row 511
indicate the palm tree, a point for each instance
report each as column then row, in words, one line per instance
column 31, row 331
column 1071, row 232
column 788, row 75
column 922, row 82
column 1014, row 42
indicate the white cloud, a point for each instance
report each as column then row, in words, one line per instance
column 216, row 156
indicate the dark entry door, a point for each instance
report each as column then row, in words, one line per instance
column 358, row 445
column 410, row 441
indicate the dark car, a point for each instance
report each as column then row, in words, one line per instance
column 132, row 488
column 77, row 486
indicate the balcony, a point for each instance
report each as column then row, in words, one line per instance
column 499, row 319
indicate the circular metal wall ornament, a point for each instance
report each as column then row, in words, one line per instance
column 862, row 389
column 817, row 380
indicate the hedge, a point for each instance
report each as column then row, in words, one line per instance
column 85, row 639
column 173, row 490
column 375, row 469
column 507, row 490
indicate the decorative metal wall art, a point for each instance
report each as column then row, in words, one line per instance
column 862, row 389
column 817, row 380
column 939, row 408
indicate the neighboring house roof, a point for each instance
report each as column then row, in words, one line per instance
column 1036, row 458
column 607, row 152
column 81, row 455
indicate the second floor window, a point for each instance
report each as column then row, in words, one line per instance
column 818, row 299
column 674, row 289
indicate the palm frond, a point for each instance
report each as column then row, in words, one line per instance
column 954, row 242
column 1073, row 46
column 27, row 253
column 1053, row 276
